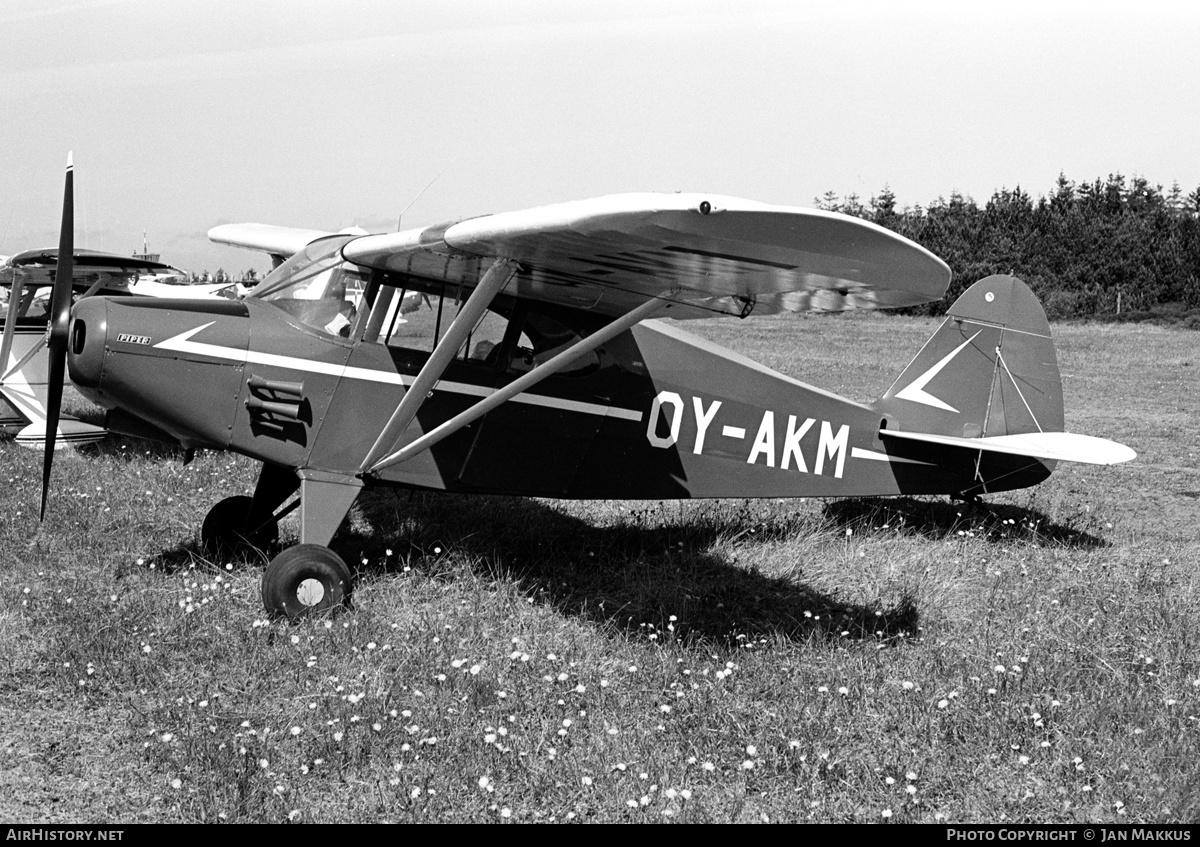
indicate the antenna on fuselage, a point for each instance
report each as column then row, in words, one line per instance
column 400, row 217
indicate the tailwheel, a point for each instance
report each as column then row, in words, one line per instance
column 225, row 531
column 305, row 580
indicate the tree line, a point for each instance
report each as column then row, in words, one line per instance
column 1087, row 249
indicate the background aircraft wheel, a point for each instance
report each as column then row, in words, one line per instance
column 224, row 529
column 304, row 580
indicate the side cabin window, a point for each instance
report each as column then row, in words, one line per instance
column 552, row 337
column 33, row 303
column 514, row 338
column 415, row 319
column 406, row 318
column 32, row 293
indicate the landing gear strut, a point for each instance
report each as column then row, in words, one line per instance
column 305, row 579
column 310, row 578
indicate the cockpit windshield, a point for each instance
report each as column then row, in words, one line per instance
column 317, row 287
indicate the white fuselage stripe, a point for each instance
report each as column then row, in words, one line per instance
column 860, row 453
column 182, row 343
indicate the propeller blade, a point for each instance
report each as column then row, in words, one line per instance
column 56, row 332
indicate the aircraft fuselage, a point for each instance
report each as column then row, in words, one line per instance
column 660, row 413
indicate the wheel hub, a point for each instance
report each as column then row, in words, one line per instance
column 310, row 592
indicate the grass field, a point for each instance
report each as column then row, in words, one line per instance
column 902, row 660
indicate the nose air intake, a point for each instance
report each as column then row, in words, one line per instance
column 78, row 337
column 85, row 359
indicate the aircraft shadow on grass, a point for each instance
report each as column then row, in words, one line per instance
column 937, row 520
column 633, row 575
column 631, row 578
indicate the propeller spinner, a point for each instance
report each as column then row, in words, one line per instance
column 56, row 332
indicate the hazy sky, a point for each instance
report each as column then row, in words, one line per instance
column 183, row 115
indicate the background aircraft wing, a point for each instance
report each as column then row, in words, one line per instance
column 280, row 242
column 724, row 254
column 37, row 268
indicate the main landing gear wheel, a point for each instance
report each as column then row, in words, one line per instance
column 305, row 580
column 224, row 530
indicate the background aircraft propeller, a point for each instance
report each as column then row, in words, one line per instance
column 60, row 315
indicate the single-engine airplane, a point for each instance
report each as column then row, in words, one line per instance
column 26, row 280
column 551, row 380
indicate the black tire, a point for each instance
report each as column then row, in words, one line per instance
column 224, row 532
column 305, row 580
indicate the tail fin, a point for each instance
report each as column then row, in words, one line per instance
column 984, row 397
column 989, row 370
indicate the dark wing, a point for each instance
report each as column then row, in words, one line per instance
column 37, row 268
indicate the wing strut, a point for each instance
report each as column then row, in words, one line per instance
column 497, row 276
column 10, row 323
column 503, row 395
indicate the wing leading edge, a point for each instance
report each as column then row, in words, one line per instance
column 724, row 254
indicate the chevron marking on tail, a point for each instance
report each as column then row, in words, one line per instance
column 915, row 390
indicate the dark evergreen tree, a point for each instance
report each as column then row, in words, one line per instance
column 883, row 207
column 1078, row 248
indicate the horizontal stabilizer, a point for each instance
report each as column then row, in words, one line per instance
column 1062, row 446
column 70, row 432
